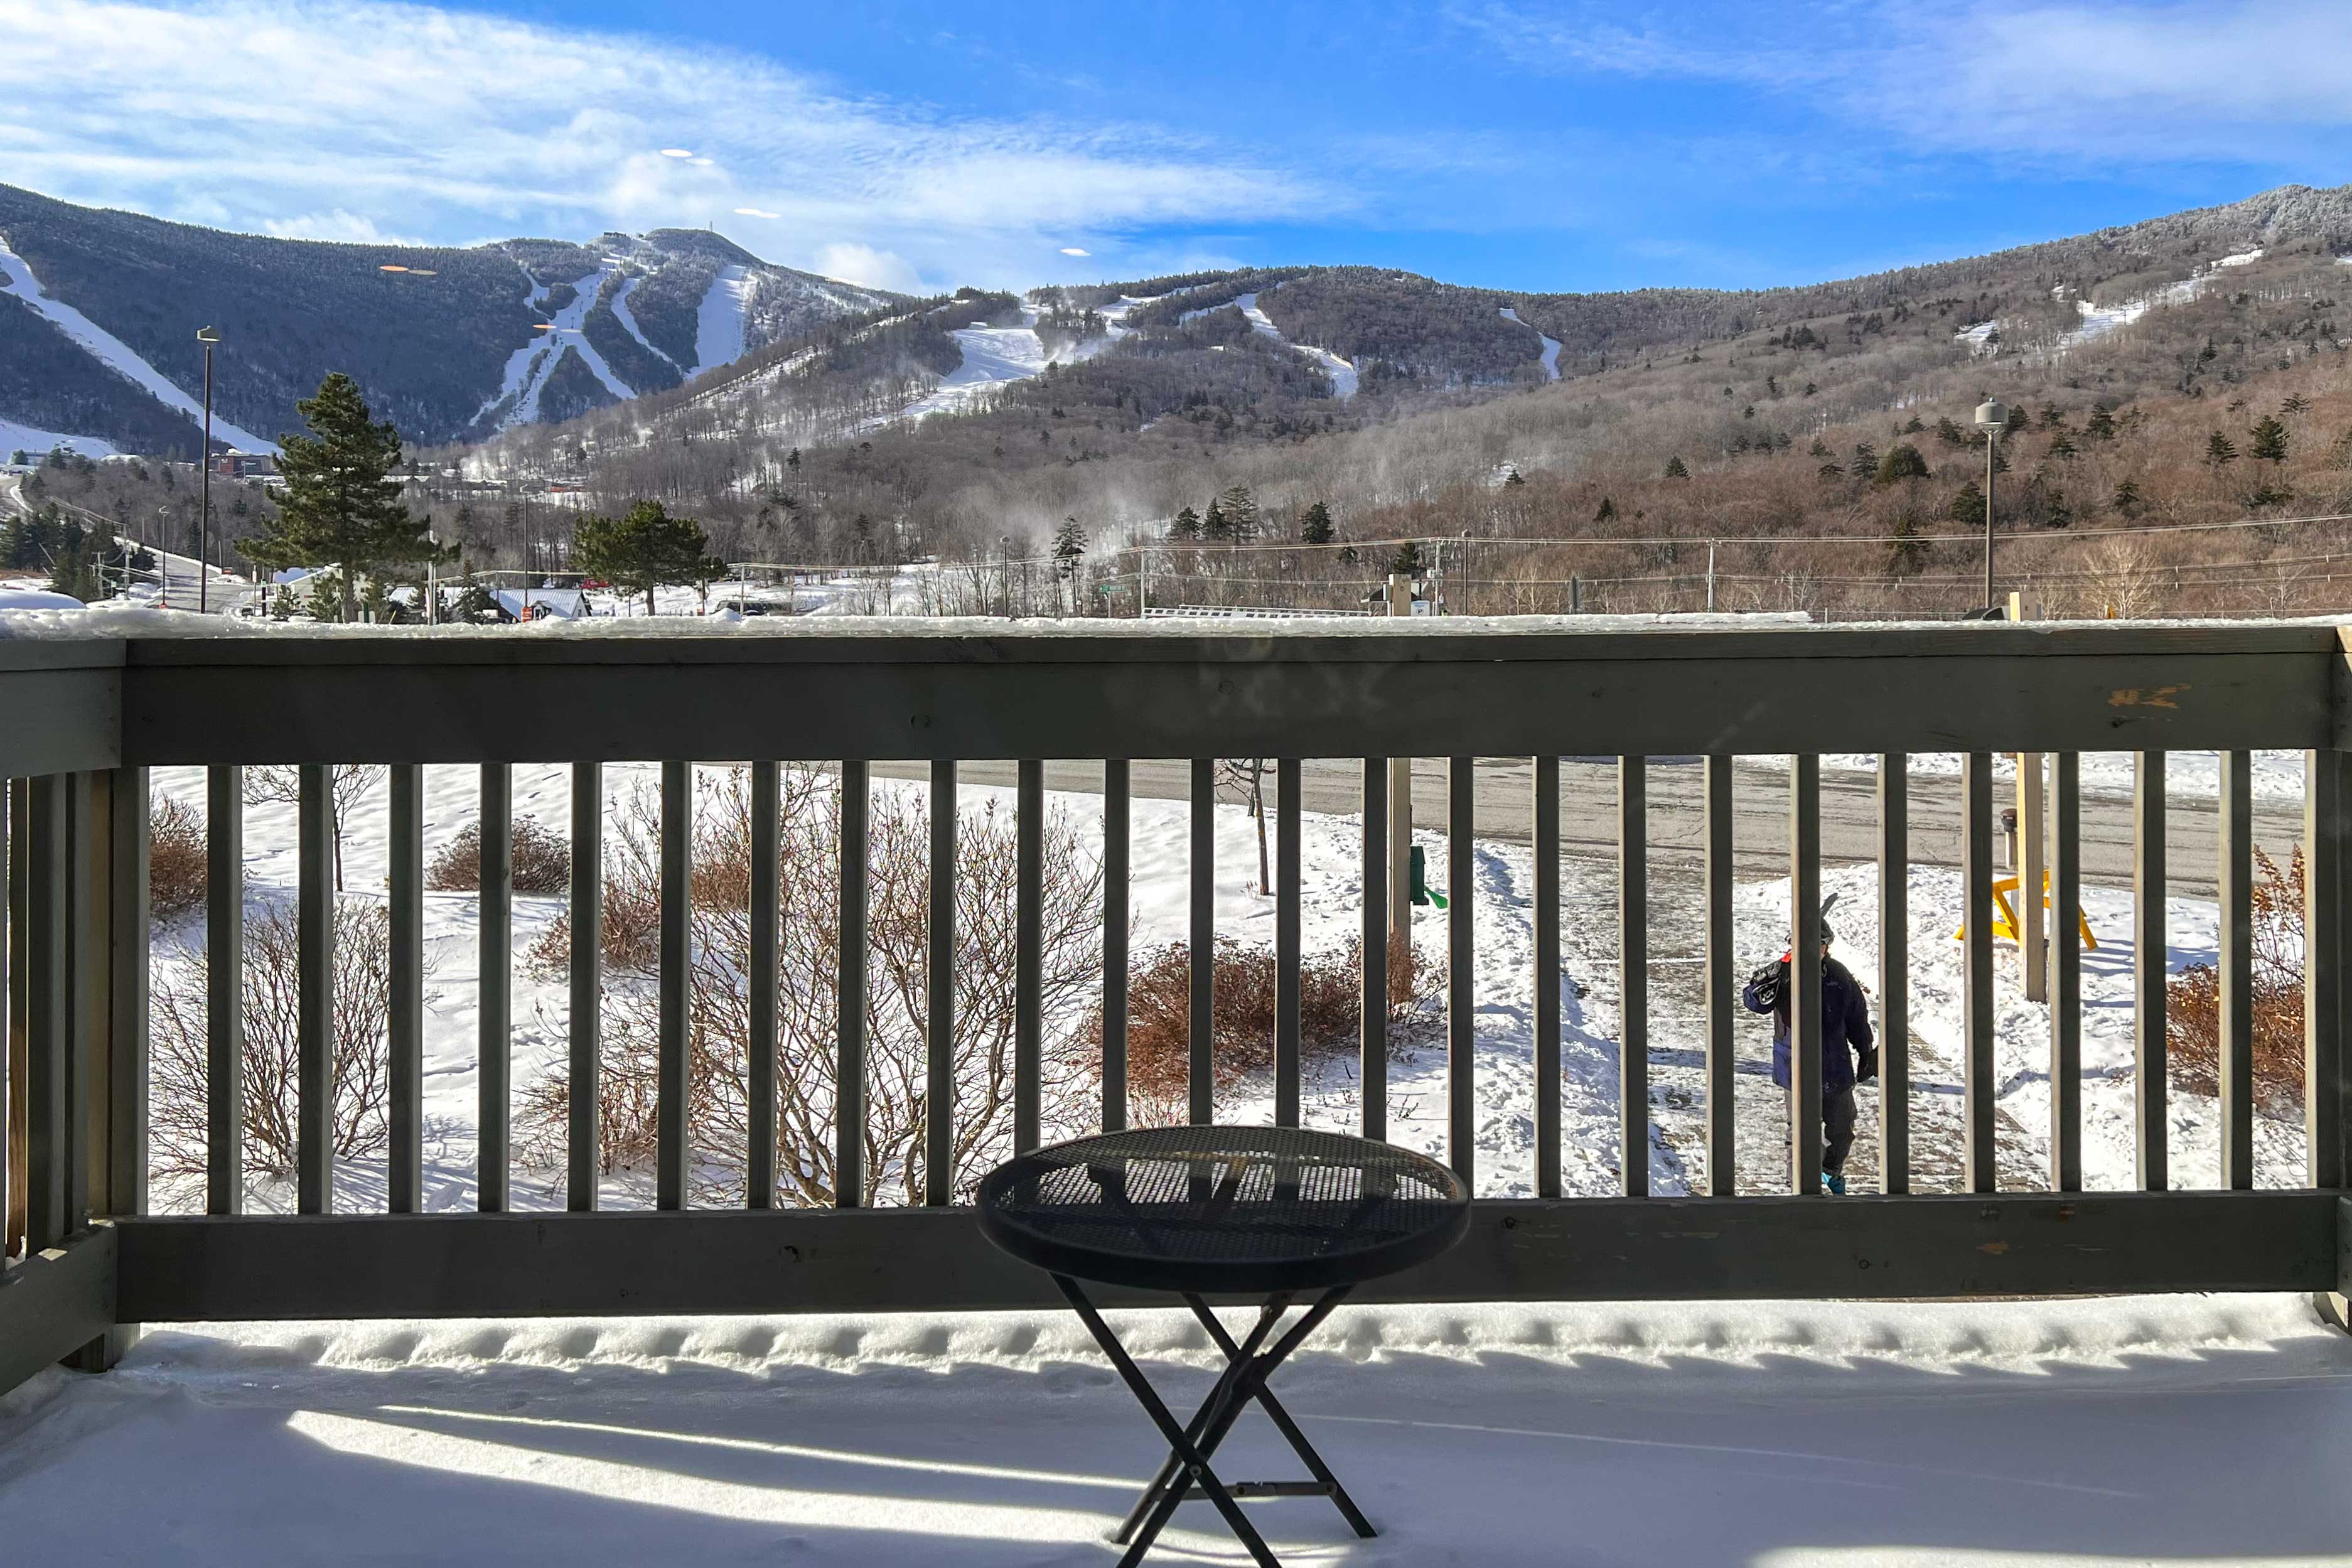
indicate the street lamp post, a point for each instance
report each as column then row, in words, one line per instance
column 208, row 337
column 1993, row 418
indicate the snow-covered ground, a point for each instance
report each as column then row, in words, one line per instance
column 720, row 330
column 993, row 356
column 1722, row 1435
column 2277, row 776
column 1550, row 346
column 116, row 355
column 2098, row 320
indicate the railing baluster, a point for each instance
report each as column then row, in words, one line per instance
column 314, row 923
column 2150, row 967
column 939, row 1094
column 1979, row 1088
column 671, row 1152
column 48, row 1014
column 1722, row 1096
column 1547, row 923
column 1373, row 1057
column 1805, row 991
column 2066, row 938
column 2237, row 964
column 494, row 962
column 1634, row 974
column 1460, row 970
column 225, row 990
column 767, row 916
column 1116, row 873
column 1201, row 1031
column 405, row 1006
column 127, row 1061
column 1893, row 972
column 1028, row 965
column 81, row 941
column 1286, row 942
column 14, row 968
column 849, row 995
column 583, row 1086
column 2327, row 809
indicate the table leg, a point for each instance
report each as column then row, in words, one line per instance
column 1281, row 1418
column 1237, row 1358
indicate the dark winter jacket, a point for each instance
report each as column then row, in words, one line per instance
column 1845, row 1021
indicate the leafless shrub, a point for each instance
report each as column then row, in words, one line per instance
column 717, row 1105
column 540, row 860
column 362, row 989
column 346, row 785
column 2192, row 1009
column 1330, row 1018
column 177, row 866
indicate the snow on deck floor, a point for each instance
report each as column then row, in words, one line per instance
column 2143, row 1430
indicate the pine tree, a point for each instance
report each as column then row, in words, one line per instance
column 2270, row 440
column 1216, row 527
column 2062, row 446
column 1316, row 528
column 1950, row 433
column 792, row 460
column 2100, row 425
column 1185, row 526
column 340, row 507
column 1241, row 513
column 1901, row 461
column 1820, row 449
column 1069, row 544
column 1910, row 551
column 2126, row 500
column 1968, row 507
column 1866, row 460
column 2220, row 452
column 1407, row 560
column 644, row 549
column 1607, row 512
column 2295, row 404
column 1676, row 469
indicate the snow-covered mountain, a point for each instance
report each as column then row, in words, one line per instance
column 98, row 311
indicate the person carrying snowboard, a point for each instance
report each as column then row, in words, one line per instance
column 1845, row 1036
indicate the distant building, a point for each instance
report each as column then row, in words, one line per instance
column 540, row 604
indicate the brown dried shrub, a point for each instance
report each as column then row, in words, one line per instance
column 542, row 860
column 1330, row 1017
column 175, row 859
column 2192, row 1010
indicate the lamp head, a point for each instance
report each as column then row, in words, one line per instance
column 207, row 336
column 1992, row 417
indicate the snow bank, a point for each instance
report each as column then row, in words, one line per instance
column 117, row 355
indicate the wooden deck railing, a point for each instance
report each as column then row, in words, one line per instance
column 81, row 722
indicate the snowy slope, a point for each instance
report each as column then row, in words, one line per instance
column 2098, row 320
column 992, row 357
column 117, row 355
column 1550, row 346
column 629, row 323
column 528, row 367
column 720, row 326
column 37, row 443
column 1343, row 375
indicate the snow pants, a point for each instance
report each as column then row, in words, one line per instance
column 1837, row 1129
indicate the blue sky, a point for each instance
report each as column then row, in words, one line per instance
column 1521, row 143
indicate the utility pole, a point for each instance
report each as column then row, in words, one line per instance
column 208, row 337
column 1401, row 808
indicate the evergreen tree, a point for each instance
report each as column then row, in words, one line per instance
column 2100, row 425
column 2062, row 446
column 1820, row 449
column 340, row 506
column 2220, row 452
column 644, row 549
column 1316, row 528
column 1608, row 511
column 2270, row 440
column 1950, row 434
column 1217, row 528
column 1185, row 526
column 1241, row 513
column 2295, row 404
column 2126, row 499
column 1407, row 559
column 1676, row 469
column 1910, row 551
column 1069, row 544
column 1968, row 507
column 792, row 460
column 1901, row 461
column 1866, row 460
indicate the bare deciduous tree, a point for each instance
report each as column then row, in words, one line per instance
column 346, row 785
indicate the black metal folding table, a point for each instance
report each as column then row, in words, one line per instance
column 1276, row 1212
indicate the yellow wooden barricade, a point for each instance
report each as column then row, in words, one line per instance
column 2004, row 921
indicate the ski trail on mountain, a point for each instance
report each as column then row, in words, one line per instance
column 1343, row 375
column 117, row 356
column 1551, row 345
column 629, row 323
column 719, row 324
column 37, row 443
column 529, row 366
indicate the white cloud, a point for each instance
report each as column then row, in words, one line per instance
column 454, row 125
column 338, row 225
column 1076, row 250
column 863, row 264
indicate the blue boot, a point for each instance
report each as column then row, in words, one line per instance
column 1834, row 1182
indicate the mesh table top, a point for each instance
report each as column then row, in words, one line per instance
column 1215, row 1210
